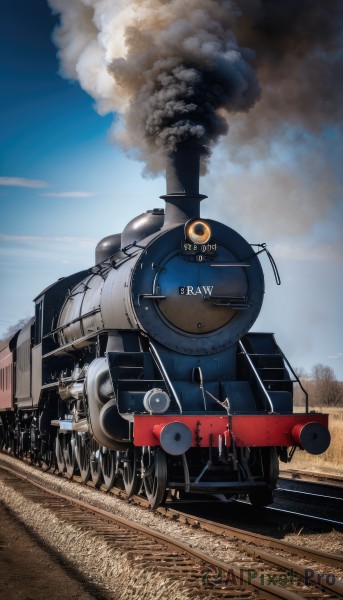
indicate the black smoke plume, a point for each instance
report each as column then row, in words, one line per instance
column 174, row 70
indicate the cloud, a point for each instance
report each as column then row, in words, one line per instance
column 39, row 183
column 337, row 355
column 70, row 194
column 23, row 182
column 51, row 239
column 40, row 250
column 319, row 252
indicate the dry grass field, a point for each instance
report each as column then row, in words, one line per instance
column 332, row 460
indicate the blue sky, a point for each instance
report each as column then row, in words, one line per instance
column 63, row 187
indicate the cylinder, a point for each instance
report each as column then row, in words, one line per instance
column 175, row 438
column 312, row 437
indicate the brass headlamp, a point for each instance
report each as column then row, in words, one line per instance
column 198, row 231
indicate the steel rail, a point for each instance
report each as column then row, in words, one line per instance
column 305, row 516
column 308, row 494
column 336, row 587
column 306, row 476
column 327, row 558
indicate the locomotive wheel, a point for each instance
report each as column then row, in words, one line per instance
column 47, row 455
column 69, row 455
column 131, row 477
column 59, row 446
column 47, row 461
column 264, row 496
column 94, row 462
column 108, row 467
column 34, row 446
column 155, row 475
column 82, row 456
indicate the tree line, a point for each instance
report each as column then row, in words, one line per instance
column 322, row 387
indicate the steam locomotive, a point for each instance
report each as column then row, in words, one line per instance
column 142, row 371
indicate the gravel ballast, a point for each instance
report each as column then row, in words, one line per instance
column 109, row 568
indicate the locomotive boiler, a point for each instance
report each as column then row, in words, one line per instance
column 142, row 370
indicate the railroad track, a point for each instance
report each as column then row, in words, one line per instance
column 263, row 567
column 309, row 499
column 315, row 497
column 320, row 490
column 297, row 475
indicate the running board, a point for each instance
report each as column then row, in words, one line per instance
column 213, row 485
column 67, row 426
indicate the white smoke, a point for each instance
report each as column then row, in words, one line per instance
column 90, row 35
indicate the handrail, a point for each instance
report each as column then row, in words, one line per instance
column 294, row 375
column 165, row 375
column 259, row 380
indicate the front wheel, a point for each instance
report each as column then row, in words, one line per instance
column 82, row 456
column 108, row 467
column 131, row 476
column 154, row 463
column 94, row 462
column 59, row 452
column 69, row 455
column 263, row 496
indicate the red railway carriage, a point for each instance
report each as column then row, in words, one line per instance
column 7, row 361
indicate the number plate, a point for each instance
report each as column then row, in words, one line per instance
column 194, row 249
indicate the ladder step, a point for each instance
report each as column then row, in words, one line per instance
column 139, row 381
column 279, row 380
column 253, row 354
column 130, row 367
column 271, row 369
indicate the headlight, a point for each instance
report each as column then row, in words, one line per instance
column 198, row 232
column 156, row 401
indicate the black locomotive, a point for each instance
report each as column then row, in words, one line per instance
column 142, row 369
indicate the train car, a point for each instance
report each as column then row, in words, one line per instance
column 7, row 389
column 6, row 374
column 144, row 368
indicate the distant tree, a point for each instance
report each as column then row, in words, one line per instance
column 327, row 391
column 12, row 329
column 301, row 373
column 298, row 394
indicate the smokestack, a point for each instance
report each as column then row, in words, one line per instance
column 182, row 178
